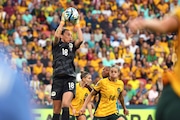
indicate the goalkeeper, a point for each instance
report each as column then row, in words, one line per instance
column 63, row 87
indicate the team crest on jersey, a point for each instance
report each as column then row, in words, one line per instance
column 86, row 95
column 53, row 93
column 70, row 46
column 119, row 90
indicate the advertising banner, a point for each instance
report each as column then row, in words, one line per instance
column 135, row 114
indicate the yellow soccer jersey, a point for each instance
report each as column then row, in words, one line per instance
column 78, row 101
column 108, row 94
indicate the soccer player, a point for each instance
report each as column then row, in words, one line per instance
column 169, row 102
column 105, row 74
column 110, row 90
column 63, row 87
column 81, row 93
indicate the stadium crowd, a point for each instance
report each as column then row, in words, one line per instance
column 27, row 28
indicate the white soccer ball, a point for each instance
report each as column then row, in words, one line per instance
column 71, row 14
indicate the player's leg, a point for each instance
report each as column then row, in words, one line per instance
column 68, row 94
column 56, row 95
column 81, row 117
column 56, row 109
column 66, row 101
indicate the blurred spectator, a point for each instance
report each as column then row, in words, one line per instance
column 9, row 9
column 115, row 42
column 27, row 17
column 151, row 56
column 48, row 93
column 35, row 83
column 41, row 95
column 84, row 48
column 91, row 42
column 93, row 73
column 20, row 60
column 159, row 85
column 169, row 61
column 174, row 4
column 42, row 75
column 128, row 56
column 45, row 59
column 133, row 46
column 26, row 71
column 119, row 61
column 134, row 83
column 49, row 68
column 126, row 99
column 125, row 72
column 127, row 40
column 148, row 85
column 131, row 93
column 107, row 61
column 152, row 95
column 47, row 80
column 2, row 13
column 86, row 34
column 141, row 89
column 32, row 60
column 37, row 68
column 95, row 62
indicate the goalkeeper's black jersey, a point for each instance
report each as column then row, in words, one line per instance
column 63, row 59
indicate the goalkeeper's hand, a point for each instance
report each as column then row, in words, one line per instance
column 77, row 21
column 63, row 17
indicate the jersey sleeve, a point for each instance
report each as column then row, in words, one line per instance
column 98, row 86
column 76, row 47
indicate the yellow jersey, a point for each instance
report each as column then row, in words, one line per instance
column 108, row 94
column 78, row 101
column 125, row 72
column 173, row 76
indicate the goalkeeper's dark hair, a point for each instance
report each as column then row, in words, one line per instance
column 84, row 74
column 63, row 31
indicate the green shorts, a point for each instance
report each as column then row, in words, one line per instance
column 168, row 107
column 110, row 117
column 72, row 117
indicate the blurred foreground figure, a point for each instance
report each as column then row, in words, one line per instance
column 169, row 102
column 14, row 100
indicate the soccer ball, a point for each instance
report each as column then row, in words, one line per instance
column 71, row 14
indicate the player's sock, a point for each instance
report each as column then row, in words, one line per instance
column 55, row 116
column 65, row 113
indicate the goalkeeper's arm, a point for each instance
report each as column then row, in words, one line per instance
column 59, row 30
column 80, row 39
